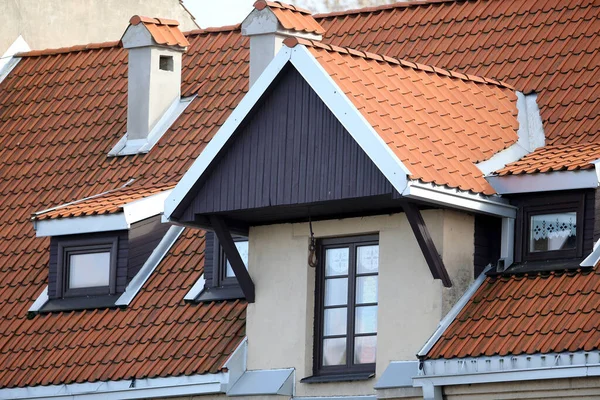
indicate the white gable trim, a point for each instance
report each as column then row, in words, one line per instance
column 8, row 60
column 124, row 389
column 337, row 102
column 132, row 212
column 544, row 182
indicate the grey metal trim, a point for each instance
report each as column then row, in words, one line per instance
column 453, row 313
column 398, row 374
column 155, row 258
column 544, row 182
column 40, row 301
column 264, row 382
column 196, row 289
column 370, row 397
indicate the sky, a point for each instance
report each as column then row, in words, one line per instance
column 218, row 12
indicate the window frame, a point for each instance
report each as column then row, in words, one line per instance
column 66, row 248
column 350, row 368
column 220, row 278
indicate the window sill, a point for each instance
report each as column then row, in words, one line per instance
column 220, row 294
column 350, row 377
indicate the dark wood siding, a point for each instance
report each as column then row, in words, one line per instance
column 488, row 232
column 144, row 236
column 596, row 214
column 123, row 250
column 291, row 150
column 209, row 257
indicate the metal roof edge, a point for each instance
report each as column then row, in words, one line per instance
column 544, row 181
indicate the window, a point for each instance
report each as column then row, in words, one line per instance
column 224, row 270
column 553, row 232
column 346, row 306
column 165, row 63
column 86, row 267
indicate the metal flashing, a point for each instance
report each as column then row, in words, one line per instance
column 398, row 374
column 264, row 382
column 594, row 257
column 40, row 301
column 544, row 182
column 150, row 265
column 123, row 389
column 126, row 147
column 8, row 61
column 458, row 199
column 453, row 313
column 368, row 397
column 523, row 367
column 196, row 289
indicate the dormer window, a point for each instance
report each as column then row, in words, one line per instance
column 87, row 267
column 553, row 232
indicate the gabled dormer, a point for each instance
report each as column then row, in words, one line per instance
column 154, row 50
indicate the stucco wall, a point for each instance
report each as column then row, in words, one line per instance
column 60, row 23
column 411, row 303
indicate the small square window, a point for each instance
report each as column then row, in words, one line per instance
column 165, row 63
column 553, row 232
column 86, row 267
column 242, row 247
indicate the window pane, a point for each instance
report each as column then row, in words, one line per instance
column 89, row 270
column 367, row 259
column 335, row 321
column 336, row 292
column 366, row 289
column 242, row 246
column 365, row 349
column 334, row 351
column 550, row 232
column 366, row 319
column 336, row 262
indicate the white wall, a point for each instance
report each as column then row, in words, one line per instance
column 411, row 303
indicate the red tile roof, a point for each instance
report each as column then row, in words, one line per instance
column 439, row 123
column 163, row 31
column 547, row 47
column 61, row 111
column 555, row 158
column 109, row 202
column 60, row 114
column 526, row 314
column 291, row 17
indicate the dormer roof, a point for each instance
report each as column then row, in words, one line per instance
column 291, row 17
column 164, row 32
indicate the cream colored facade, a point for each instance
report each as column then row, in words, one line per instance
column 411, row 303
column 61, row 23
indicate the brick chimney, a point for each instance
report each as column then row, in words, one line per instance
column 155, row 47
column 269, row 24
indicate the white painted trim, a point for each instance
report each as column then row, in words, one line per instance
column 8, row 61
column 524, row 367
column 453, row 198
column 544, row 182
column 125, row 147
column 134, row 211
column 124, row 389
column 507, row 242
column 211, row 150
column 149, row 266
column 40, row 301
column 73, row 226
column 453, row 313
column 337, row 102
column 530, row 135
column 196, row 289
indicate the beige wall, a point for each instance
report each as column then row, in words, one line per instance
column 60, row 23
column 411, row 303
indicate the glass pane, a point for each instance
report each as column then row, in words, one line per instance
column 367, row 259
column 334, row 351
column 366, row 319
column 335, row 321
column 89, row 270
column 336, row 292
column 242, row 246
column 365, row 349
column 550, row 232
column 366, row 289
column 336, row 262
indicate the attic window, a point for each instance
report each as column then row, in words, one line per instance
column 165, row 63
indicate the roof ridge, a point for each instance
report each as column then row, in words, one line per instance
column 260, row 4
column 400, row 4
column 216, row 29
column 293, row 41
column 69, row 49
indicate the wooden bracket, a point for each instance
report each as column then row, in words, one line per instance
column 434, row 261
column 233, row 256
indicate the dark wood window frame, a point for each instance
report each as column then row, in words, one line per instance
column 86, row 246
column 566, row 203
column 350, row 371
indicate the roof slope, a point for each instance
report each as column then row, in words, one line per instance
column 60, row 114
column 526, row 314
column 438, row 123
column 547, row 47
